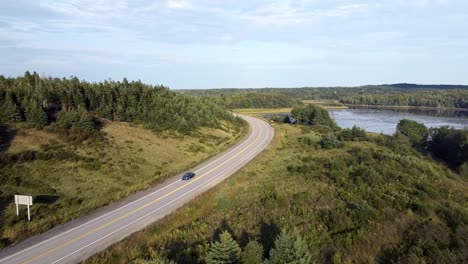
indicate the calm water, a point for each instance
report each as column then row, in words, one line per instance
column 385, row 120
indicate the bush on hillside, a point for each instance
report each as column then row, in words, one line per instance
column 353, row 134
column 313, row 115
column 416, row 132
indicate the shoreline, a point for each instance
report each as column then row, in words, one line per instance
column 403, row 107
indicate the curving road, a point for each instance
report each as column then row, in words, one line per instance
column 82, row 238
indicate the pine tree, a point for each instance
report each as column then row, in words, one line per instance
column 85, row 121
column 253, row 253
column 36, row 115
column 289, row 250
column 9, row 111
column 224, row 251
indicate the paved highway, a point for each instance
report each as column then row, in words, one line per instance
column 84, row 237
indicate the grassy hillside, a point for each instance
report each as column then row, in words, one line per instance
column 76, row 146
column 68, row 180
column 375, row 199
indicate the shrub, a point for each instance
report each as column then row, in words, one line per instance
column 309, row 139
column 449, row 144
column 313, row 115
column 417, row 133
column 253, row 253
column 353, row 134
column 288, row 249
column 330, row 141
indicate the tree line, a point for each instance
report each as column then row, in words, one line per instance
column 287, row 249
column 433, row 98
column 444, row 143
column 455, row 96
column 233, row 99
column 41, row 101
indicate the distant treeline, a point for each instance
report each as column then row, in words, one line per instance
column 256, row 100
column 393, row 94
column 431, row 98
column 42, row 101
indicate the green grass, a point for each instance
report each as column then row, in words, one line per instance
column 327, row 104
column 68, row 181
column 369, row 201
column 261, row 111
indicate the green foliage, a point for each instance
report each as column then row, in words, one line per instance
column 289, row 250
column 424, row 242
column 463, row 170
column 9, row 111
column 389, row 95
column 449, row 144
column 353, row 134
column 310, row 139
column 426, row 98
column 154, row 258
column 416, row 132
column 373, row 201
column 313, row 115
column 330, row 141
column 256, row 100
column 80, row 120
column 158, row 108
column 36, row 116
column 224, row 251
column 253, row 253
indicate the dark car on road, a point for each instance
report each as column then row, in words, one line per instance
column 188, row 176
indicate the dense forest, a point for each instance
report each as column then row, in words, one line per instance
column 322, row 194
column 432, row 98
column 455, row 96
column 70, row 102
column 256, row 100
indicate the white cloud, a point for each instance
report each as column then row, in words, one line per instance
column 178, row 4
column 86, row 8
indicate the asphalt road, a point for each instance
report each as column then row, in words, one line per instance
column 84, row 237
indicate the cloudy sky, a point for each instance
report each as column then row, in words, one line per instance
column 234, row 43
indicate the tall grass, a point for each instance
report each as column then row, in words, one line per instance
column 69, row 180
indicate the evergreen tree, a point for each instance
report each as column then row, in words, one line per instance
column 36, row 115
column 9, row 111
column 226, row 250
column 289, row 250
column 253, row 253
column 85, row 121
column 44, row 99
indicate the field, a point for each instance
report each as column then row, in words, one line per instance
column 68, row 180
column 365, row 202
column 327, row 104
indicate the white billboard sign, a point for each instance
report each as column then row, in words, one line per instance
column 23, row 200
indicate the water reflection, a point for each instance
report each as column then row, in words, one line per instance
column 426, row 112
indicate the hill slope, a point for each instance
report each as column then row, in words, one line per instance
column 76, row 146
column 374, row 200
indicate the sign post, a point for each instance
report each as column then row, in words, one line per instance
column 24, row 200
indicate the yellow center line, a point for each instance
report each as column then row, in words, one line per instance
column 143, row 206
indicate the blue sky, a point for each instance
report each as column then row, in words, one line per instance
column 228, row 43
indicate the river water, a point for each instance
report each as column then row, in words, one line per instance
column 386, row 120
